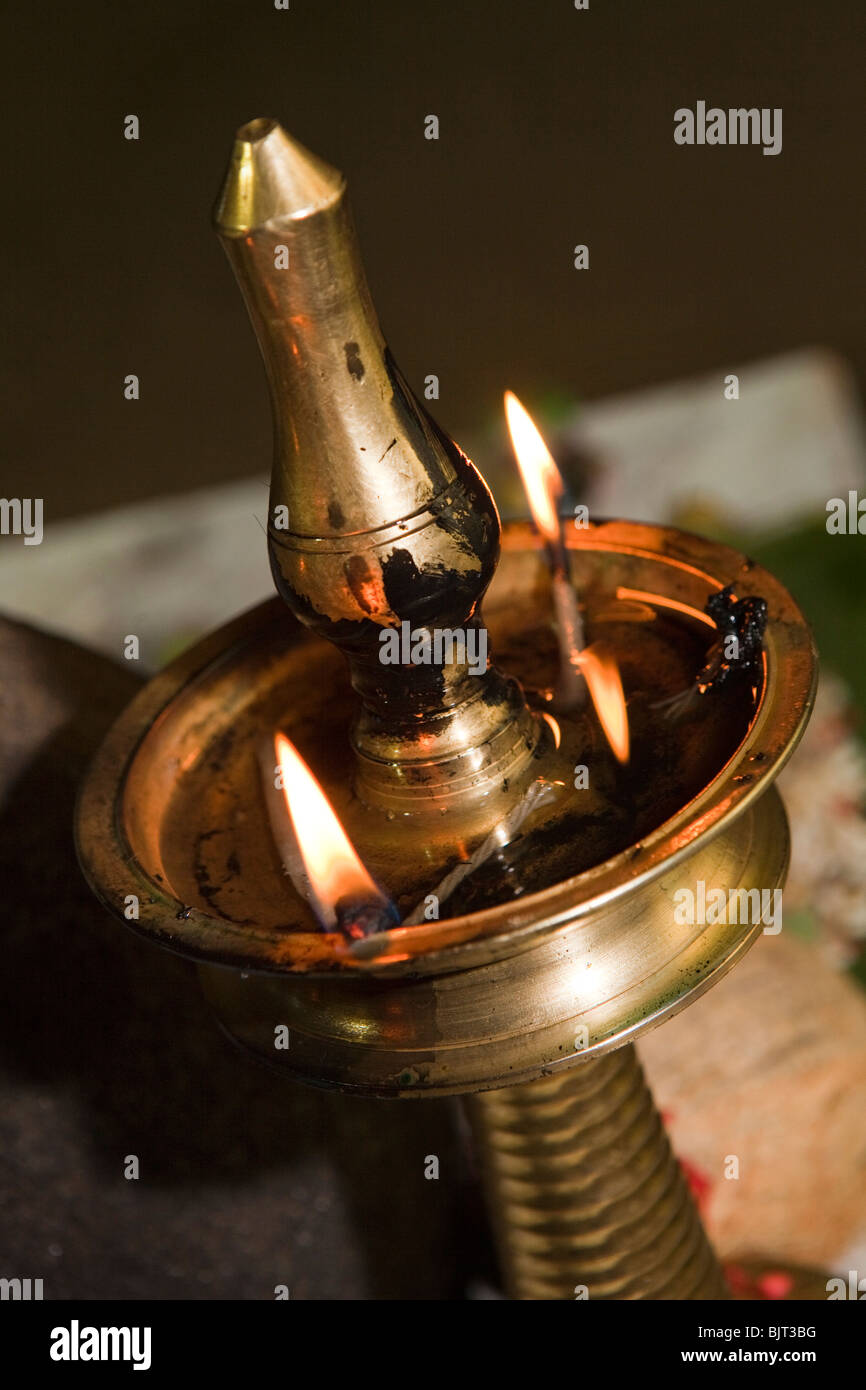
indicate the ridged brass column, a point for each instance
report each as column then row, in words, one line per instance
column 583, row 1189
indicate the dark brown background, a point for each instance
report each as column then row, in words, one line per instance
column 556, row 128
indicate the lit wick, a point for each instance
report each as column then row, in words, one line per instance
column 579, row 667
column 544, row 487
column 316, row 852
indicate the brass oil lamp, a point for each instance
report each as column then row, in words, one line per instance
column 523, row 984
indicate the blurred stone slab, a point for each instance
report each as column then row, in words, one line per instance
column 168, row 570
column 793, row 439
column 769, row 1068
column 172, row 569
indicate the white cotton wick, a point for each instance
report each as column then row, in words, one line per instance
column 536, row 795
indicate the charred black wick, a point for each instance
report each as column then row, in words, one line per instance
column 743, row 619
column 358, row 918
column 735, row 650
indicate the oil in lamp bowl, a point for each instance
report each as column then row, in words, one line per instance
column 571, row 928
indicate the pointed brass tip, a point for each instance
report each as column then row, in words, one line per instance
column 272, row 177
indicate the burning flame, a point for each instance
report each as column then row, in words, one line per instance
column 605, row 687
column 541, row 477
column 543, row 483
column 332, row 867
column 554, row 725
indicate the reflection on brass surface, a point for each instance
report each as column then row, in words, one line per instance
column 172, row 809
column 616, row 972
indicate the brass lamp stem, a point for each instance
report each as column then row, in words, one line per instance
column 377, row 519
column 585, row 1193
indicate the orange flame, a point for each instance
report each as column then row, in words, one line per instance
column 544, row 487
column 605, row 687
column 332, row 867
column 555, row 728
column 541, row 477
